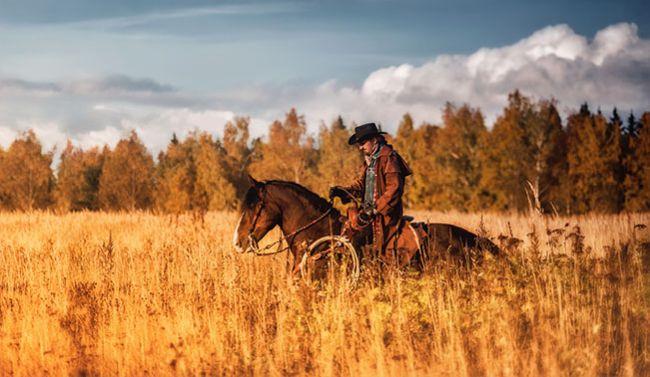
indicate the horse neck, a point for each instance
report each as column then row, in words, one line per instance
column 297, row 211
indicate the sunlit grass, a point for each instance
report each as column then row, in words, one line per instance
column 136, row 294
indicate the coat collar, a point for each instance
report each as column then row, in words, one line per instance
column 385, row 151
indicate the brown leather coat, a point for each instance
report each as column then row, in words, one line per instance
column 391, row 172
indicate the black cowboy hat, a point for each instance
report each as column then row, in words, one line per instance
column 363, row 132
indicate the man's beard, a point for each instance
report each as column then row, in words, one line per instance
column 367, row 156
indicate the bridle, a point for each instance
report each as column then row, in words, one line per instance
column 253, row 244
column 251, row 240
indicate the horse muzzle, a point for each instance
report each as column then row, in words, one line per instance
column 250, row 246
column 253, row 246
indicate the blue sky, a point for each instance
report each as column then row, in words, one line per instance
column 88, row 70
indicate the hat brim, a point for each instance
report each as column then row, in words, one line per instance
column 354, row 140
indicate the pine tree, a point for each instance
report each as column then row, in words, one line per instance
column 78, row 178
column 505, row 157
column 616, row 124
column 524, row 154
column 546, row 140
column 214, row 190
column 238, row 153
column 127, row 179
column 423, row 189
column 26, row 177
column 176, row 176
column 637, row 179
column 593, row 156
column 456, row 153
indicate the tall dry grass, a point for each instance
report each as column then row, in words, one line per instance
column 138, row 294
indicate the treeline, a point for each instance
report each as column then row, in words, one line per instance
column 528, row 160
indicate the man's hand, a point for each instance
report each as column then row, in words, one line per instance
column 335, row 191
column 338, row 191
column 366, row 215
column 364, row 218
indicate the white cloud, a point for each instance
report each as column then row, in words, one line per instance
column 107, row 136
column 154, row 126
column 48, row 133
column 6, row 136
column 612, row 69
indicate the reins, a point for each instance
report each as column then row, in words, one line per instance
column 280, row 249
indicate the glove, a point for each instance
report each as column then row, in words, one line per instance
column 364, row 218
column 366, row 215
column 369, row 210
column 334, row 192
column 337, row 191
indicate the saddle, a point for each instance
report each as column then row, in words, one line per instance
column 400, row 246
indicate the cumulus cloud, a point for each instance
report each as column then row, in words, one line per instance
column 610, row 69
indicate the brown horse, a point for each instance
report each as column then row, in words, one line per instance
column 304, row 217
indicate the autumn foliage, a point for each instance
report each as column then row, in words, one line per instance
column 527, row 160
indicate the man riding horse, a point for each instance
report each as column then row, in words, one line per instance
column 379, row 188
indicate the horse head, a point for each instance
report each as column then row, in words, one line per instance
column 258, row 216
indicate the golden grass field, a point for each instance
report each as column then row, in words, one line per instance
column 143, row 294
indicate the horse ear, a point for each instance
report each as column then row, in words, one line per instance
column 257, row 185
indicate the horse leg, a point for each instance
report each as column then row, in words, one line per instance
column 295, row 257
column 408, row 246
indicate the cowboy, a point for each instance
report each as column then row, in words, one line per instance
column 379, row 187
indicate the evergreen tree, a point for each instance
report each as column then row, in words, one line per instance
column 616, row 124
column 457, row 155
column 524, row 155
column 547, row 145
column 78, row 178
column 637, row 179
column 423, row 189
column 632, row 127
column 26, row 178
column 214, row 190
column 127, row 179
column 593, row 156
column 196, row 175
column 237, row 153
column 176, row 175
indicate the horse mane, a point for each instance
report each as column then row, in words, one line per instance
column 313, row 198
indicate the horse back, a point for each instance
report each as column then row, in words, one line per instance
column 451, row 240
